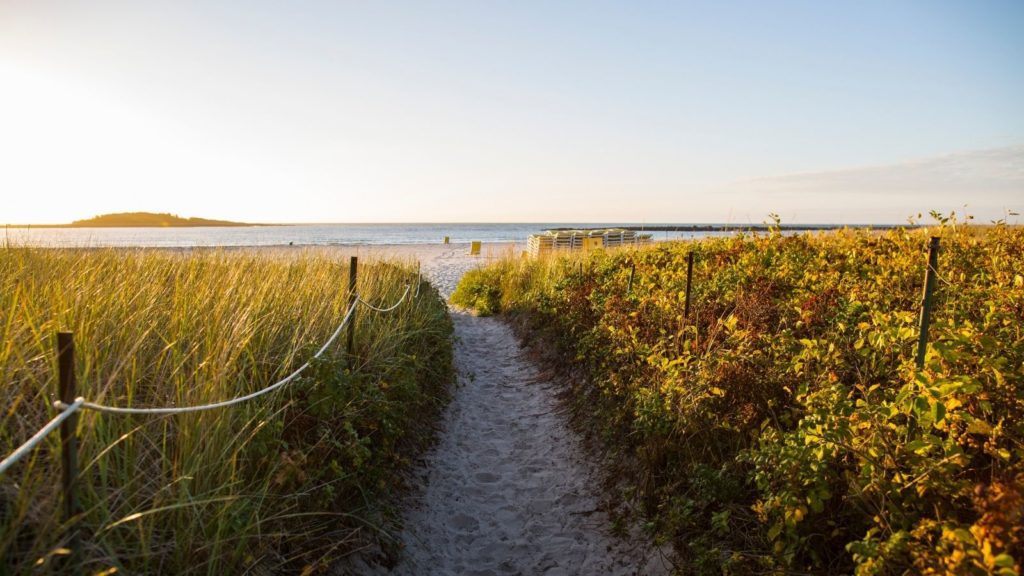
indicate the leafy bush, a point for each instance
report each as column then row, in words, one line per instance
column 476, row 290
column 783, row 425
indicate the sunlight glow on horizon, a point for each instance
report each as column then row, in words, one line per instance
column 526, row 113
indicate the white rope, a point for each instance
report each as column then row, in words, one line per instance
column 80, row 404
column 66, row 411
column 389, row 309
column 225, row 403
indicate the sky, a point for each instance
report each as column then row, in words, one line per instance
column 591, row 111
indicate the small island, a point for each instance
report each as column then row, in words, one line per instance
column 140, row 220
column 149, row 220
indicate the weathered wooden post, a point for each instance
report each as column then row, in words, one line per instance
column 632, row 272
column 419, row 279
column 353, row 267
column 689, row 284
column 68, row 433
column 926, row 304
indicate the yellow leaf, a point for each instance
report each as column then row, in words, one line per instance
column 979, row 427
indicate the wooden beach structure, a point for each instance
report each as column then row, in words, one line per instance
column 550, row 241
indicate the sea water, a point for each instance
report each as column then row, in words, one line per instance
column 296, row 235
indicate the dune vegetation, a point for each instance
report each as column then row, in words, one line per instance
column 783, row 426
column 288, row 481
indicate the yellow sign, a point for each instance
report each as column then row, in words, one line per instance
column 474, row 248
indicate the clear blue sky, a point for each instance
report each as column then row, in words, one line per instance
column 511, row 111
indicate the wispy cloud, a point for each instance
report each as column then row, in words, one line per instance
column 986, row 181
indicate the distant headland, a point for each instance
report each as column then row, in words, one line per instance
column 144, row 220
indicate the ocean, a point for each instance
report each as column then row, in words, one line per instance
column 297, row 234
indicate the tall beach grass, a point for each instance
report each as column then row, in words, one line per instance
column 290, row 480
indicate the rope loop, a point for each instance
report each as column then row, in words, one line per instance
column 390, row 308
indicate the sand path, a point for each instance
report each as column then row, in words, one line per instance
column 508, row 488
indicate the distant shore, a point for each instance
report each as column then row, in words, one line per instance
column 350, row 235
column 750, row 227
column 77, row 225
column 653, row 228
column 142, row 220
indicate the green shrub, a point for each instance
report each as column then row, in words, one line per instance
column 477, row 291
column 783, row 426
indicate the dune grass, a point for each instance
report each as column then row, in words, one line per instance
column 290, row 480
column 783, row 427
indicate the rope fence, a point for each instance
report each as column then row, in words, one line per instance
column 43, row 432
column 390, row 308
column 224, row 404
column 69, row 404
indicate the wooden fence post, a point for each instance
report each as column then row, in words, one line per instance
column 353, row 268
column 926, row 304
column 632, row 272
column 689, row 284
column 68, row 433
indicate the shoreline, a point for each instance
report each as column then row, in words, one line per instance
column 409, row 246
column 752, row 227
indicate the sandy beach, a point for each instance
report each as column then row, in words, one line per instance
column 442, row 264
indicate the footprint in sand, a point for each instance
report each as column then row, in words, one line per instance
column 464, row 523
column 487, row 477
